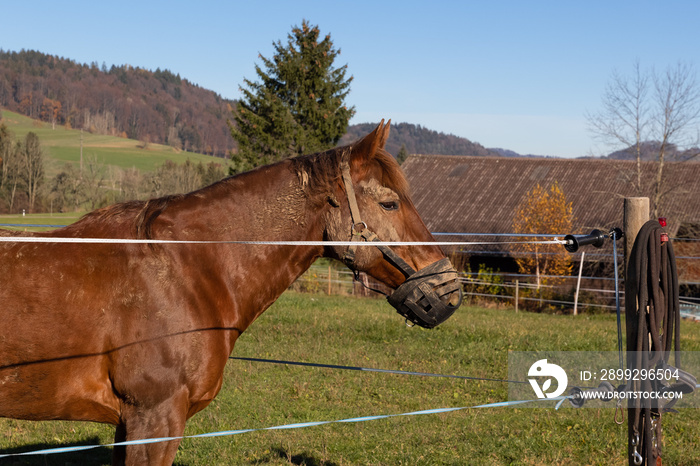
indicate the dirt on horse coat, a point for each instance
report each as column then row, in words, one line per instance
column 137, row 335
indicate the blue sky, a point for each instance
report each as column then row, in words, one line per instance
column 514, row 74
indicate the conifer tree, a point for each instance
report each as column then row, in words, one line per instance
column 402, row 155
column 297, row 105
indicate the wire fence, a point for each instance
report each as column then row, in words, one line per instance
column 561, row 293
column 494, row 288
column 592, row 291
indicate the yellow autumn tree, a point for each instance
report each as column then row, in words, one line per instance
column 544, row 212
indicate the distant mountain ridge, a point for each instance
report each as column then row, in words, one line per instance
column 419, row 140
column 650, row 152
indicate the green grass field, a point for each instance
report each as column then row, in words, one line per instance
column 367, row 332
column 62, row 218
column 62, row 146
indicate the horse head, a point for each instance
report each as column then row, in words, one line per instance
column 371, row 204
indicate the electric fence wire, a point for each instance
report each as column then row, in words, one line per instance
column 369, row 369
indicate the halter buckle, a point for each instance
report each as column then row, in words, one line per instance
column 358, row 228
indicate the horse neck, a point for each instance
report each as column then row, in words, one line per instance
column 268, row 204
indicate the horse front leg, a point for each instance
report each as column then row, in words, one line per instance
column 167, row 419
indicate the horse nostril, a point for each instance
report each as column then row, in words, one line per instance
column 454, row 299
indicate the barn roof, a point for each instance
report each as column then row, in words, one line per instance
column 470, row 194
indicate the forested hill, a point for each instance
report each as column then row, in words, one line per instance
column 159, row 106
column 151, row 106
column 419, row 140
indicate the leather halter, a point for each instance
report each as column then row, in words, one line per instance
column 360, row 231
column 418, row 298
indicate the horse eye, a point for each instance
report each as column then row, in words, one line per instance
column 391, row 205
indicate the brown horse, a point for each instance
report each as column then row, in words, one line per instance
column 137, row 335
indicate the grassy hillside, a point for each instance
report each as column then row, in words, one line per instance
column 62, row 146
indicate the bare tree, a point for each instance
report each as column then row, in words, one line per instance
column 130, row 184
column 9, row 166
column 31, row 172
column 676, row 120
column 93, row 182
column 647, row 109
column 624, row 118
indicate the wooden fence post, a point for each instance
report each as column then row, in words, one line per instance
column 636, row 214
column 517, row 291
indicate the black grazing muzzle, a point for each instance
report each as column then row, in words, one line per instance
column 429, row 296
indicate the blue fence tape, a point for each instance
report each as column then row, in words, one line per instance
column 224, row 433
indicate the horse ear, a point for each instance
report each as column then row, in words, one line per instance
column 385, row 134
column 365, row 149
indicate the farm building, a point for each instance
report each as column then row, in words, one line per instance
column 471, row 194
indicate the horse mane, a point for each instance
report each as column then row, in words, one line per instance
column 137, row 216
column 320, row 173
